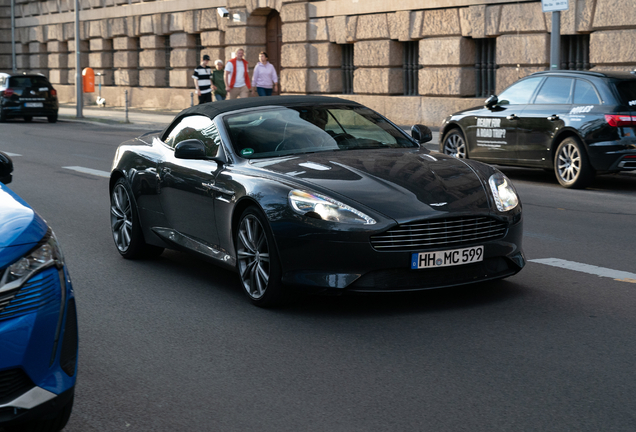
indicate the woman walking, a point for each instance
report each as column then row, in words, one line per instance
column 264, row 78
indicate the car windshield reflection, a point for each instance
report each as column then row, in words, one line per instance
column 282, row 131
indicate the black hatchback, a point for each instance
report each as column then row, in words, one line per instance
column 27, row 96
column 572, row 122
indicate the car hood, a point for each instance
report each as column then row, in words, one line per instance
column 20, row 227
column 403, row 184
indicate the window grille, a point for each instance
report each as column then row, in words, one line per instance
column 199, row 47
column 168, row 50
column 410, row 68
column 485, row 66
column 347, row 69
column 575, row 52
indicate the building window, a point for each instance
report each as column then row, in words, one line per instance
column 575, row 52
column 199, row 48
column 411, row 67
column 485, row 66
column 168, row 51
column 347, row 68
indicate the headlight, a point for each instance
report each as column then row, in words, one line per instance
column 47, row 254
column 326, row 208
column 503, row 192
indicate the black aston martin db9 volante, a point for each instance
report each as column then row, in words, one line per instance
column 313, row 193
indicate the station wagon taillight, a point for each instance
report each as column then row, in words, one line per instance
column 619, row 120
column 53, row 92
column 8, row 93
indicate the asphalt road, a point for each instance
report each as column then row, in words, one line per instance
column 172, row 344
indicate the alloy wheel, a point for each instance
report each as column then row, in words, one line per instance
column 253, row 256
column 121, row 217
column 569, row 163
column 455, row 146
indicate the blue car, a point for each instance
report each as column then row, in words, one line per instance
column 38, row 319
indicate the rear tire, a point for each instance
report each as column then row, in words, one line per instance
column 52, row 118
column 28, row 119
column 3, row 116
column 125, row 225
column 454, row 144
column 258, row 262
column 571, row 165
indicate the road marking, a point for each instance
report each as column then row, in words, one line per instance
column 11, row 154
column 89, row 171
column 621, row 276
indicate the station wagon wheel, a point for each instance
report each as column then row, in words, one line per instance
column 125, row 226
column 454, row 144
column 257, row 259
column 571, row 165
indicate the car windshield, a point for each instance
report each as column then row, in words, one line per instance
column 283, row 131
column 627, row 92
column 26, row 82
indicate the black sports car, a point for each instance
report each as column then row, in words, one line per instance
column 574, row 123
column 313, row 193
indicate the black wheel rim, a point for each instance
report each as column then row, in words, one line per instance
column 121, row 217
column 253, row 256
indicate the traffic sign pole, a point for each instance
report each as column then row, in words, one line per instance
column 555, row 41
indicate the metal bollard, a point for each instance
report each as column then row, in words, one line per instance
column 126, row 105
column 191, row 99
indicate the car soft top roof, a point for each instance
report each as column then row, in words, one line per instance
column 212, row 109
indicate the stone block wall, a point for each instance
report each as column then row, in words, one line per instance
column 157, row 47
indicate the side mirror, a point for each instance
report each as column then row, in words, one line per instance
column 421, row 133
column 6, row 168
column 491, row 102
column 190, row 149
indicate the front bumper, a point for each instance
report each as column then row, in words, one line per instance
column 38, row 342
column 319, row 264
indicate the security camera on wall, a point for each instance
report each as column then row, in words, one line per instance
column 223, row 13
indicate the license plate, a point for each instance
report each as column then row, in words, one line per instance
column 33, row 105
column 447, row 258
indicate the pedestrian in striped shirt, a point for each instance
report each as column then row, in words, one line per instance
column 202, row 80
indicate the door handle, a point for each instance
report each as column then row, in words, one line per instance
column 208, row 185
column 512, row 117
column 553, row 117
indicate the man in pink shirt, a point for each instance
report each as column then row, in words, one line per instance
column 264, row 79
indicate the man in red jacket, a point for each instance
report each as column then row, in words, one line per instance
column 237, row 79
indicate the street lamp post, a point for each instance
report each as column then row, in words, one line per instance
column 13, row 59
column 78, row 74
column 555, row 41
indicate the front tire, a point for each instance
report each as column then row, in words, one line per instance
column 52, row 118
column 571, row 165
column 258, row 262
column 125, row 225
column 454, row 144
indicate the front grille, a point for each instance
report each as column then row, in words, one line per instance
column 439, row 234
column 40, row 291
column 13, row 383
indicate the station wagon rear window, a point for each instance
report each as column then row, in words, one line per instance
column 627, row 92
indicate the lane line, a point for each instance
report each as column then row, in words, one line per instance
column 11, row 154
column 618, row 275
column 90, row 171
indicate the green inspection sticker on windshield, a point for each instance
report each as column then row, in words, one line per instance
column 247, row 152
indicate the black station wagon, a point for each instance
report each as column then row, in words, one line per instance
column 575, row 123
column 27, row 96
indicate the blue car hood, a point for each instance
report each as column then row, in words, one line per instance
column 20, row 227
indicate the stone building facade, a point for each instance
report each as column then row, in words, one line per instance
column 412, row 60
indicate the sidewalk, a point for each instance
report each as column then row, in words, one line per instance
column 116, row 116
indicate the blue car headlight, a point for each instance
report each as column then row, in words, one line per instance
column 326, row 208
column 503, row 192
column 46, row 254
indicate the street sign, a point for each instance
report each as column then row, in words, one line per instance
column 554, row 5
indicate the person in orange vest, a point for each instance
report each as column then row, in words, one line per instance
column 237, row 79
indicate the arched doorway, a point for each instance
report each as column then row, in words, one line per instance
column 274, row 40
